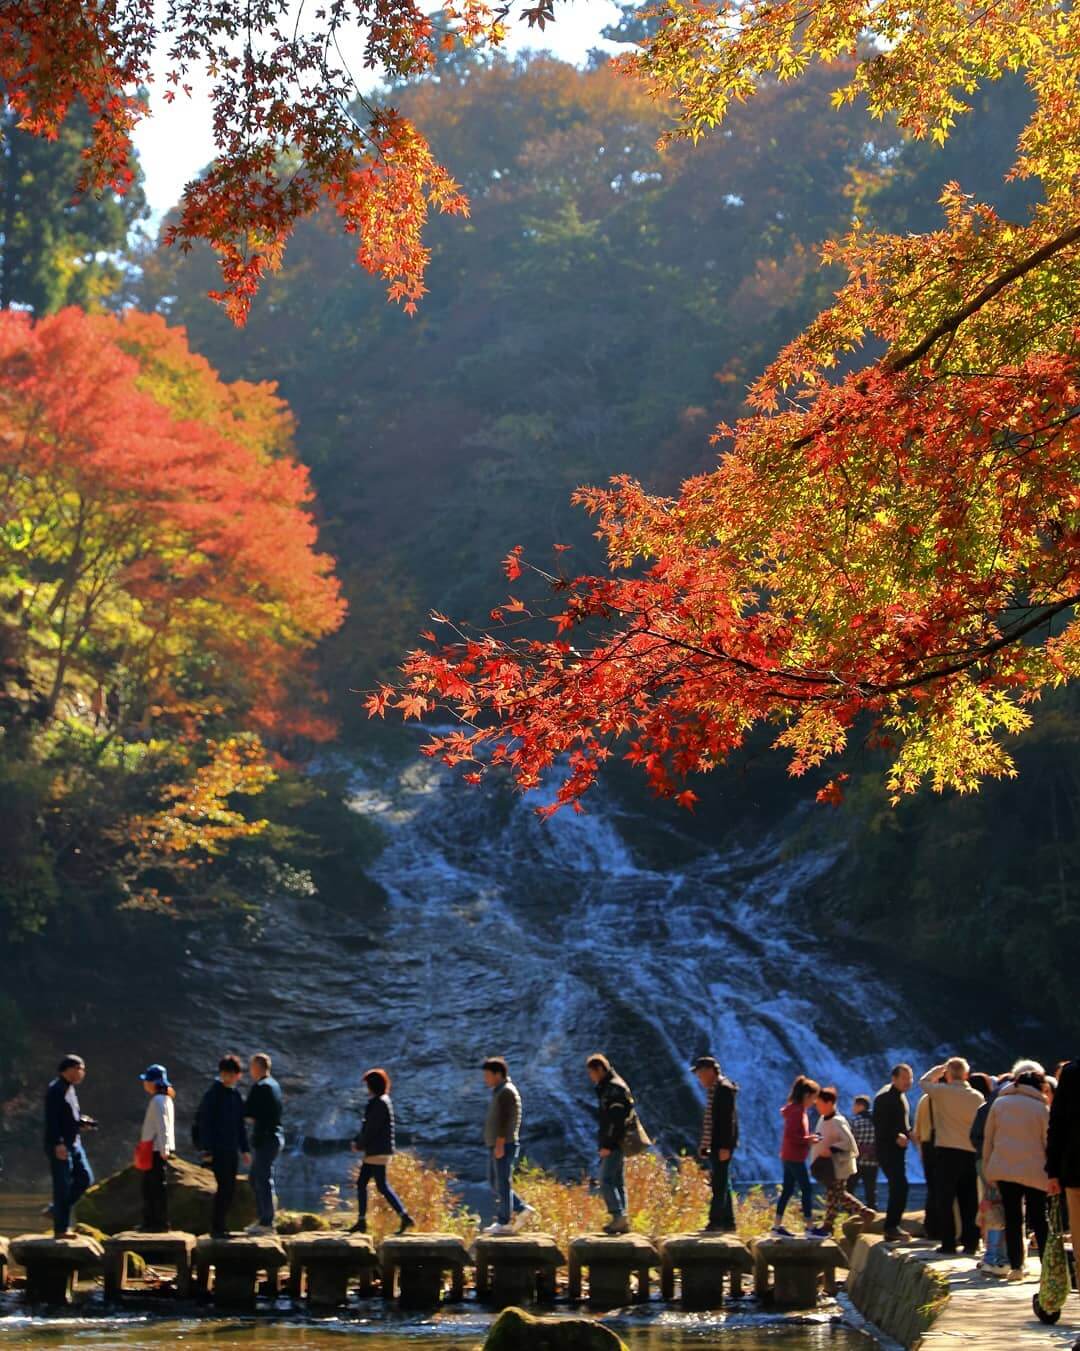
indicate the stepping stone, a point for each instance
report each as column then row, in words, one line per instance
column 237, row 1262
column 705, row 1261
column 611, row 1260
column 516, row 1269
column 799, row 1266
column 323, row 1265
column 53, row 1265
column 171, row 1249
column 413, row 1267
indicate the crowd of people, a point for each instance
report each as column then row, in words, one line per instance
column 993, row 1149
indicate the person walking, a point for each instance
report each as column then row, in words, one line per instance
column 64, row 1124
column 221, row 1136
column 376, row 1142
column 862, row 1128
column 891, row 1115
column 719, row 1140
column 263, row 1109
column 833, row 1161
column 615, row 1103
column 1014, row 1159
column 159, row 1132
column 1063, row 1147
column 795, row 1146
column 502, row 1139
column 954, row 1104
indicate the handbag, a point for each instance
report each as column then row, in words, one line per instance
column 636, row 1139
column 144, row 1156
column 1055, row 1284
column 823, row 1171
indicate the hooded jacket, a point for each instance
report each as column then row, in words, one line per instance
column 1014, row 1146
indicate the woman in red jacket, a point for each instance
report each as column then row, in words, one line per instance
column 794, row 1149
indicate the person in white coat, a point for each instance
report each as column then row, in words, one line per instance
column 1014, row 1159
column 159, row 1130
column 832, row 1163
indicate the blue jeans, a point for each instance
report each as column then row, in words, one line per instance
column 501, row 1180
column 796, row 1175
column 261, row 1177
column 613, row 1183
column 70, row 1178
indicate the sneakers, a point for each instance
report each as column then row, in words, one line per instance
column 778, row 1231
column 994, row 1268
column 818, row 1231
column 523, row 1216
column 360, row 1227
column 619, row 1224
column 259, row 1230
column 407, row 1223
column 1017, row 1274
column 499, row 1230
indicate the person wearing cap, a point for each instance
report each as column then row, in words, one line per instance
column 159, row 1128
column 64, row 1124
column 719, row 1138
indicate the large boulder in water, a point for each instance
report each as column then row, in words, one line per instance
column 115, row 1204
column 516, row 1330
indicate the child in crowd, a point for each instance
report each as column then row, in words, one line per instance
column 794, row 1148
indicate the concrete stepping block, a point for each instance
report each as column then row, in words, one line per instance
column 611, row 1260
column 799, row 1266
column 322, row 1266
column 706, row 1262
column 414, row 1265
column 516, row 1269
column 171, row 1249
column 53, row 1265
column 237, row 1262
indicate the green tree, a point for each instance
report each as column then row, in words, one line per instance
column 58, row 248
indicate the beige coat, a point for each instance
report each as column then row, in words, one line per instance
column 954, row 1107
column 837, row 1143
column 1015, row 1146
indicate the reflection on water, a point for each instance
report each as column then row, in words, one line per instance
column 669, row 1333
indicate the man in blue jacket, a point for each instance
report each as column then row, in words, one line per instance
column 221, row 1136
column 64, row 1123
column 263, row 1109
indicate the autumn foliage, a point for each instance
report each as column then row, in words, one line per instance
column 159, row 576
column 887, row 551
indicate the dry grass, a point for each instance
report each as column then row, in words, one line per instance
column 664, row 1197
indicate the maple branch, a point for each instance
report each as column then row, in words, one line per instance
column 952, row 322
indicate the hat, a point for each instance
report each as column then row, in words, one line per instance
column 156, row 1074
column 706, row 1062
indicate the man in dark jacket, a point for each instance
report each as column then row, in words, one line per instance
column 719, row 1137
column 221, row 1136
column 64, row 1123
column 502, row 1139
column 263, row 1109
column 892, row 1134
column 615, row 1104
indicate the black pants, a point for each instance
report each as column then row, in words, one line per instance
column 224, row 1166
column 928, row 1152
column 721, row 1208
column 866, row 1173
column 894, row 1166
column 375, row 1172
column 957, row 1183
column 155, row 1197
column 1015, row 1200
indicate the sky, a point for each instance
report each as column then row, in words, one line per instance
column 175, row 141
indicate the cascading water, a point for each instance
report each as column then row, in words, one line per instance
column 544, row 941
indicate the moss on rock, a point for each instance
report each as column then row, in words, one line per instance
column 516, row 1330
